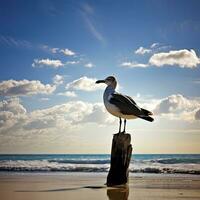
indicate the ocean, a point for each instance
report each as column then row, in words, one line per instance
column 140, row 163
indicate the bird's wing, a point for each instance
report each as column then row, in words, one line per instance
column 125, row 104
column 144, row 111
column 132, row 101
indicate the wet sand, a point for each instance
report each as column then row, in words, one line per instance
column 84, row 186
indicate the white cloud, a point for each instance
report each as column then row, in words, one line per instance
column 24, row 87
column 68, row 114
column 197, row 115
column 175, row 107
column 175, row 103
column 67, row 52
column 182, row 58
column 99, row 114
column 12, row 112
column 48, row 63
column 142, row 50
column 54, row 50
column 178, row 107
column 84, row 83
column 133, row 65
column 68, row 94
column 87, row 13
column 89, row 65
column 12, row 105
column 72, row 62
column 14, row 117
column 154, row 45
column 58, row 79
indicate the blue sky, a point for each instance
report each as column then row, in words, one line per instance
column 53, row 51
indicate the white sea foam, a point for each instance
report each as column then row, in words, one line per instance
column 95, row 165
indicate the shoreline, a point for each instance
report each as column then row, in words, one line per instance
column 74, row 186
column 131, row 174
column 92, row 174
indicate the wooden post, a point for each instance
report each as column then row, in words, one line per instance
column 120, row 159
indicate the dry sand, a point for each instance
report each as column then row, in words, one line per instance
column 83, row 186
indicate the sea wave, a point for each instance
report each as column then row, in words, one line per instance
column 91, row 166
column 81, row 161
column 176, row 160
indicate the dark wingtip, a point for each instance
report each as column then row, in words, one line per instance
column 148, row 118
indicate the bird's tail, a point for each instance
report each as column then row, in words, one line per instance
column 145, row 115
column 148, row 118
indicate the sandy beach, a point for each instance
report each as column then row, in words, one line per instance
column 84, row 186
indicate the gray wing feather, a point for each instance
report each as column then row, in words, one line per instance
column 125, row 104
column 132, row 101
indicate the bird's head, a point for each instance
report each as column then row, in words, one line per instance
column 110, row 81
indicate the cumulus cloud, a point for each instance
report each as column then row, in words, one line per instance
column 179, row 107
column 24, row 87
column 174, row 107
column 58, row 79
column 12, row 105
column 182, row 58
column 47, row 63
column 197, row 115
column 73, row 112
column 68, row 94
column 12, row 112
column 84, row 83
column 142, row 50
column 56, row 50
column 175, row 103
column 98, row 114
column 67, row 52
column 14, row 117
column 134, row 65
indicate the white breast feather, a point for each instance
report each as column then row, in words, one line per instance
column 114, row 110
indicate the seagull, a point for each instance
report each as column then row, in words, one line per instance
column 120, row 105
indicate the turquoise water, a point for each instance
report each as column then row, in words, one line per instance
column 140, row 163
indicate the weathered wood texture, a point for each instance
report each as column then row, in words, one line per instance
column 120, row 159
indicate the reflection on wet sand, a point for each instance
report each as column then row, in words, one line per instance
column 118, row 193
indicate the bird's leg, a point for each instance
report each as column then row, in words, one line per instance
column 120, row 123
column 124, row 131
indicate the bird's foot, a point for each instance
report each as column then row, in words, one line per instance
column 123, row 132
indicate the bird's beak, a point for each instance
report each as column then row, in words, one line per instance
column 100, row 81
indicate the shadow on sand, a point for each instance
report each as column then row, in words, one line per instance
column 113, row 193
column 64, row 189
